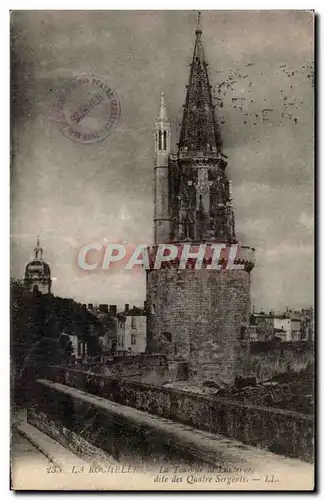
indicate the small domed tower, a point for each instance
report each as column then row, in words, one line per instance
column 38, row 273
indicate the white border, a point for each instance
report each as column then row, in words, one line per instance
column 4, row 197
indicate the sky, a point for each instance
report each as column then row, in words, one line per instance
column 71, row 194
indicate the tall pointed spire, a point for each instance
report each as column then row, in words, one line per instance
column 199, row 131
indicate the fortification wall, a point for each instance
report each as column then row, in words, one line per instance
column 276, row 430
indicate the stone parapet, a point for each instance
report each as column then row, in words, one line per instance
column 280, row 431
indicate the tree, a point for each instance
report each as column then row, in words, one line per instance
column 40, row 329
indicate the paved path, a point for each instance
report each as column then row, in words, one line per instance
column 24, row 455
column 36, row 458
column 22, row 449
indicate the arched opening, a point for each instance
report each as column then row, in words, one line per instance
column 160, row 139
column 164, row 140
column 35, row 289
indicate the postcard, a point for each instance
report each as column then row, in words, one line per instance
column 162, row 250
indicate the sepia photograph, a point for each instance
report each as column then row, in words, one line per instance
column 162, row 288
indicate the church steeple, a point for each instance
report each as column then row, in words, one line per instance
column 199, row 130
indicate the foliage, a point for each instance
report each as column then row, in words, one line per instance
column 40, row 329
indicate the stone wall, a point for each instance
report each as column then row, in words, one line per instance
column 204, row 312
column 263, row 361
column 280, row 431
column 267, row 361
column 152, row 369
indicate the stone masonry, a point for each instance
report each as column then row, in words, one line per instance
column 205, row 312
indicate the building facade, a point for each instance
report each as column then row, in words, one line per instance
column 262, row 327
column 80, row 348
column 268, row 327
column 307, row 324
column 198, row 316
column 131, row 333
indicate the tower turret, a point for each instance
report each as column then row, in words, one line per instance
column 198, row 315
column 162, row 138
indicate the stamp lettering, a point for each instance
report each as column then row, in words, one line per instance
column 88, row 110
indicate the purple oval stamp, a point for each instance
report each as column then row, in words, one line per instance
column 87, row 110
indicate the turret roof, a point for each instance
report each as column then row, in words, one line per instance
column 199, row 130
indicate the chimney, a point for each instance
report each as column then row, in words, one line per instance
column 126, row 308
column 103, row 308
column 113, row 310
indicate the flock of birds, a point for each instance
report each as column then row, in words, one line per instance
column 245, row 103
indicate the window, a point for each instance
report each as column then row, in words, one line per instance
column 133, row 322
column 242, row 332
column 164, row 139
column 133, row 338
column 160, row 139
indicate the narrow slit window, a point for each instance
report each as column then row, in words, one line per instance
column 160, row 139
column 164, row 139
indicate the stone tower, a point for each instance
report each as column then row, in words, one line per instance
column 38, row 273
column 199, row 316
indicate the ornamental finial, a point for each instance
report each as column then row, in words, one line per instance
column 38, row 249
column 198, row 29
column 163, row 113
